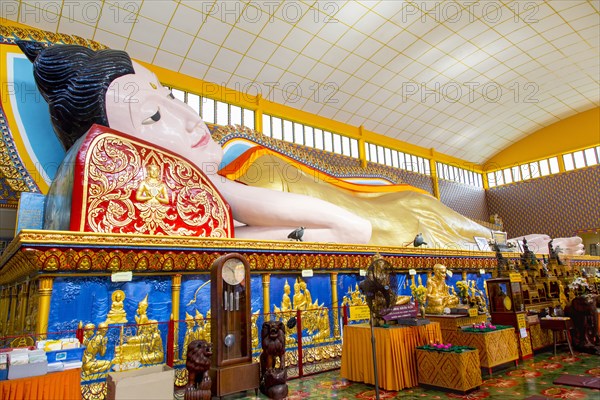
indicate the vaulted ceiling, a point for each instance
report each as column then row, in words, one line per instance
column 467, row 78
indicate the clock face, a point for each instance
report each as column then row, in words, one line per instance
column 233, row 271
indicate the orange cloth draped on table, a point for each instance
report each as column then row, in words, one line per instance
column 395, row 350
column 65, row 385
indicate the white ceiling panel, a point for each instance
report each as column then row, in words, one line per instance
column 187, row 19
column 176, row 42
column 148, row 32
column 203, row 51
column 438, row 74
column 159, row 10
column 168, row 60
column 193, row 68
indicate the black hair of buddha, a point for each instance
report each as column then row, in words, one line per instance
column 74, row 81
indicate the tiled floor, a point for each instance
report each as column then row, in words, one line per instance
column 531, row 377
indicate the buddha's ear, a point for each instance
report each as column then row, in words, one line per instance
column 31, row 49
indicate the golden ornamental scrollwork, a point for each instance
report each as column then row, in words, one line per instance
column 111, row 156
column 133, row 188
column 181, row 377
column 43, row 36
column 94, row 391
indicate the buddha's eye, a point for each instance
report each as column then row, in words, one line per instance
column 154, row 118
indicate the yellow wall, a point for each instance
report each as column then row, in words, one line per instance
column 570, row 134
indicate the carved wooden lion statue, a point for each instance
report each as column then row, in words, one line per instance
column 198, row 363
column 272, row 379
column 273, row 345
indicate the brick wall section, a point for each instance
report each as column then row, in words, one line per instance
column 557, row 205
column 466, row 200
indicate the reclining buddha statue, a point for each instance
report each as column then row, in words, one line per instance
column 81, row 87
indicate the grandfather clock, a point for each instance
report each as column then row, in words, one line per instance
column 232, row 369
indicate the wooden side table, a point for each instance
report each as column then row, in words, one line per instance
column 456, row 371
column 559, row 324
column 540, row 338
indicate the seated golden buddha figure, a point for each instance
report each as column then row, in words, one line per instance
column 438, row 293
column 117, row 314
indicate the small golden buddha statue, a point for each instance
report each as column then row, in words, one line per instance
column 189, row 334
column 88, row 333
column 152, row 348
column 286, row 303
column 199, row 333
column 152, row 189
column 142, row 318
column 299, row 298
column 207, row 325
column 117, row 314
column 438, row 293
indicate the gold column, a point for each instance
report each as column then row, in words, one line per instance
column 464, row 275
column 266, row 282
column 3, row 309
column 12, row 318
column 362, row 153
column 22, row 305
column 175, row 295
column 258, row 114
column 45, row 294
column 434, row 175
column 561, row 164
column 334, row 303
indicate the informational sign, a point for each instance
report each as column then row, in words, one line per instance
column 521, row 321
column 412, row 272
column 523, row 332
column 307, row 273
column 408, row 310
column 473, row 312
column 362, row 272
column 30, row 214
column 359, row 313
column 482, row 271
column 123, row 276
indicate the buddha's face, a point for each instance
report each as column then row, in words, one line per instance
column 440, row 271
column 137, row 104
column 153, row 171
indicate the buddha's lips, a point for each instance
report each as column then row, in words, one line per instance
column 203, row 140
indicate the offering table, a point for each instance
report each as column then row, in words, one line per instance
column 395, row 352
